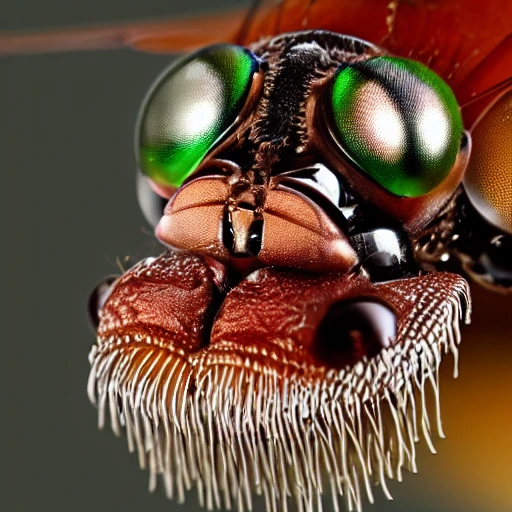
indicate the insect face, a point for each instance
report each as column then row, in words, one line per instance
column 281, row 344
column 292, row 139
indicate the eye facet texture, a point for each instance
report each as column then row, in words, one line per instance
column 398, row 121
column 189, row 108
column 488, row 181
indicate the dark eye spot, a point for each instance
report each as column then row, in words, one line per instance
column 354, row 329
column 97, row 298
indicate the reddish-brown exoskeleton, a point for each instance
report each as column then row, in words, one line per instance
column 285, row 341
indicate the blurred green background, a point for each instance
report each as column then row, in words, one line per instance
column 69, row 210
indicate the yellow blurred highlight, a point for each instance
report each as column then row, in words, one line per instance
column 474, row 465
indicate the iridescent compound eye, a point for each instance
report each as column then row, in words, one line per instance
column 189, row 108
column 398, row 122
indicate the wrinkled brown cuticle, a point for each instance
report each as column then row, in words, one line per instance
column 229, row 393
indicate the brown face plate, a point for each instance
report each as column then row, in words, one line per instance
column 227, row 391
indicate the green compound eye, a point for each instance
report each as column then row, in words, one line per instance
column 398, row 121
column 189, row 108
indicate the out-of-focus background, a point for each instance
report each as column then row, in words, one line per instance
column 68, row 211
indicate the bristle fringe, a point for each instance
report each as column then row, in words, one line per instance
column 232, row 430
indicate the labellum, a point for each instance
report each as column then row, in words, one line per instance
column 253, row 400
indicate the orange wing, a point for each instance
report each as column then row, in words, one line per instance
column 165, row 36
column 465, row 41
column 468, row 42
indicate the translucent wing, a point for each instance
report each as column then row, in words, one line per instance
column 163, row 36
column 468, row 42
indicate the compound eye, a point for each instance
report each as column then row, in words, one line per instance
column 188, row 110
column 398, row 122
column 488, row 180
